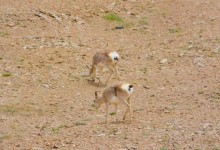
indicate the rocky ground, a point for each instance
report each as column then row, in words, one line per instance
column 170, row 51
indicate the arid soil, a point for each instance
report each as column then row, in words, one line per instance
column 170, row 52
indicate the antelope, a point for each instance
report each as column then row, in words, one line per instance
column 118, row 93
column 105, row 59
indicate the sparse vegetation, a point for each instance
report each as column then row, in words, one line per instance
column 169, row 52
column 216, row 148
column 143, row 21
column 127, row 24
column 3, row 34
column 113, row 130
column 163, row 148
column 57, row 129
column 79, row 123
column 17, row 109
column 5, row 137
column 113, row 113
column 112, row 17
column 201, row 92
column 6, row 74
column 174, row 30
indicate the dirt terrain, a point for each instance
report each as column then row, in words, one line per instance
column 170, row 52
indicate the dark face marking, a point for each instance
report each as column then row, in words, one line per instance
column 130, row 87
column 116, row 58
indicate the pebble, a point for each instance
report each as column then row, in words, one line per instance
column 206, row 125
column 102, row 134
column 164, row 61
column 74, row 45
column 198, row 61
column 84, row 74
column 190, row 47
column 119, row 27
column 46, row 85
column 129, row 146
column 29, row 47
column 216, row 50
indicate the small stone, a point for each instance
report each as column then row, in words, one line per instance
column 55, row 147
column 119, row 27
column 181, row 54
column 74, row 45
column 198, row 61
column 11, row 24
column 129, row 146
column 29, row 47
column 190, row 47
column 206, row 125
column 130, row 13
column 111, row 6
column 37, row 148
column 146, row 87
column 216, row 51
column 46, row 85
column 159, row 140
column 81, row 22
column 65, row 43
column 164, row 61
column 102, row 134
column 84, row 74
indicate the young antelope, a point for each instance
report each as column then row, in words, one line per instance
column 118, row 93
column 108, row 60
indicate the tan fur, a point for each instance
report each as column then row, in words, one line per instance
column 115, row 95
column 101, row 60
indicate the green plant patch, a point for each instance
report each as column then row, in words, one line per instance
column 79, row 123
column 143, row 21
column 113, row 113
column 2, row 34
column 163, row 148
column 112, row 17
column 6, row 74
column 174, row 30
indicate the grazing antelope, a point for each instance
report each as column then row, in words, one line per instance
column 106, row 59
column 118, row 93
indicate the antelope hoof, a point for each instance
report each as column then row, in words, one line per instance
column 117, row 77
column 106, row 83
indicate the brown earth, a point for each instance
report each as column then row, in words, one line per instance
column 170, row 51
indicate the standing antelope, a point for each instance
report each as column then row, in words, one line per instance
column 104, row 59
column 118, row 93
